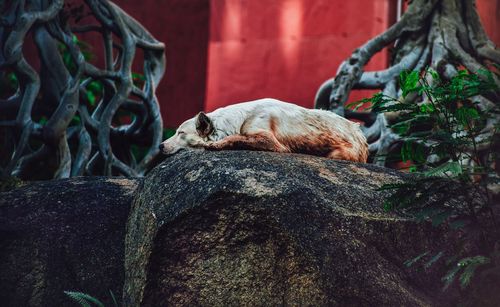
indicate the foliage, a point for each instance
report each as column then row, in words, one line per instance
column 86, row 300
column 83, row 299
column 469, row 266
column 449, row 142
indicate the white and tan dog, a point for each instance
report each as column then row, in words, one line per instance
column 272, row 125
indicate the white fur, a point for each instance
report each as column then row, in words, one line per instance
column 254, row 117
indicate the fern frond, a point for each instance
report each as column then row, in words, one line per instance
column 470, row 265
column 83, row 299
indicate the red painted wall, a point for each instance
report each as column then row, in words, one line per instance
column 285, row 48
column 489, row 10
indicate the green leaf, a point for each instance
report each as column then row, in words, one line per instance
column 433, row 260
column 13, row 81
column 95, row 86
column 466, row 115
column 450, row 276
column 427, row 108
column 408, row 81
column 90, row 97
column 94, row 90
column 401, row 128
column 43, row 120
column 453, row 167
column 388, row 206
column 76, row 120
column 434, row 74
column 138, row 76
column 87, row 55
column 83, row 299
column 357, row 104
column 411, row 262
column 470, row 265
column 411, row 151
column 382, row 103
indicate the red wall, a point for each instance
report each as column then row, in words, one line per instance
column 285, row 48
column 489, row 10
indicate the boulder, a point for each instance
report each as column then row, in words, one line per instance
column 255, row 228
column 63, row 235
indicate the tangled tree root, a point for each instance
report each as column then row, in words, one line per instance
column 96, row 143
column 445, row 35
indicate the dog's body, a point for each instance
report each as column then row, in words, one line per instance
column 272, row 125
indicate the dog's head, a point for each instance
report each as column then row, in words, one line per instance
column 193, row 133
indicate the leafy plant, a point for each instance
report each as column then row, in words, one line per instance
column 448, row 137
column 83, row 299
column 86, row 300
column 468, row 266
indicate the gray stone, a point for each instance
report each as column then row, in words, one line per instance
column 255, row 228
column 63, row 235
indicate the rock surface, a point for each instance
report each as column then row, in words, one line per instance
column 63, row 235
column 254, row 228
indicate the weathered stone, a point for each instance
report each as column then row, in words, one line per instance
column 254, row 228
column 63, row 235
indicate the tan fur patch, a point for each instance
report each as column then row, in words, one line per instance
column 324, row 145
column 257, row 141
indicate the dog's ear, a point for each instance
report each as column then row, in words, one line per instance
column 204, row 125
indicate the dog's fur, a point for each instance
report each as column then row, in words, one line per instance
column 272, row 125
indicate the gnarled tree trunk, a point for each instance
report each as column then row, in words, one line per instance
column 44, row 139
column 444, row 35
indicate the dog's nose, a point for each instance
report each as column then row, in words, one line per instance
column 160, row 147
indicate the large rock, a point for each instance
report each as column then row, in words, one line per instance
column 254, row 228
column 63, row 235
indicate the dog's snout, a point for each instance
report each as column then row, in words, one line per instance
column 161, row 146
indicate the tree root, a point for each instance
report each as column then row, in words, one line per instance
column 88, row 146
column 444, row 35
